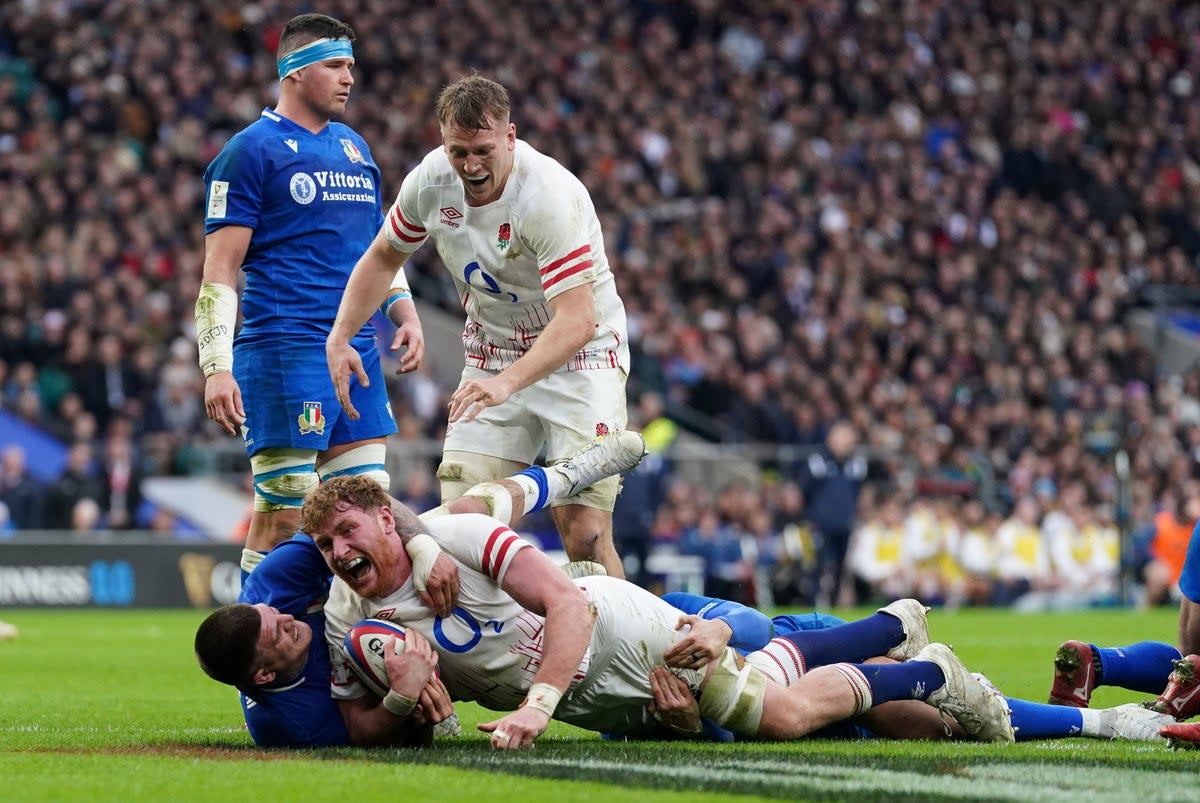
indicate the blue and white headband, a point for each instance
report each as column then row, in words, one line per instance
column 320, row 50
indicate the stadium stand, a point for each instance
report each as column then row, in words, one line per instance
column 930, row 219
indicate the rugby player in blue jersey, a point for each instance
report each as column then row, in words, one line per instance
column 293, row 200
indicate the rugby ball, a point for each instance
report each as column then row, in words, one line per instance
column 365, row 645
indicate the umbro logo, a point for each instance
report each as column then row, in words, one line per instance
column 450, row 216
column 293, row 144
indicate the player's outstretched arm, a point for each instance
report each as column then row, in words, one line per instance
column 539, row 586
column 750, row 629
column 216, row 317
column 365, row 291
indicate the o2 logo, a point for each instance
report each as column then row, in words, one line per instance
column 473, row 628
column 488, row 281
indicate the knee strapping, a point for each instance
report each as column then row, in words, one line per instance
column 367, row 459
column 282, row 478
column 251, row 559
column 496, row 497
column 460, row 471
column 733, row 695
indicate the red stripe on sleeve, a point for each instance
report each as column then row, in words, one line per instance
column 582, row 266
column 404, row 220
column 578, row 252
column 507, row 545
column 487, row 548
column 396, row 228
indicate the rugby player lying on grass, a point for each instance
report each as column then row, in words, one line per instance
column 786, row 647
column 270, row 645
column 526, row 639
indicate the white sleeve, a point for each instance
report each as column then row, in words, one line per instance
column 556, row 230
column 403, row 224
column 341, row 613
column 479, row 542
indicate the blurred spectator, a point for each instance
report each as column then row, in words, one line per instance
column 725, row 570
column 1172, row 531
column 976, row 553
column 1082, row 542
column 643, row 489
column 418, row 492
column 77, row 482
column 831, row 479
column 23, row 496
column 794, row 570
column 105, row 382
column 1021, row 560
column 876, row 560
column 121, row 483
column 85, row 516
column 164, row 522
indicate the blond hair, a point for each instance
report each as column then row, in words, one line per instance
column 473, row 103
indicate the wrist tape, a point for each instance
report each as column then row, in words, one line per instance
column 216, row 316
column 543, row 697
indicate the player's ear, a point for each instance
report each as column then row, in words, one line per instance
column 387, row 520
column 263, row 676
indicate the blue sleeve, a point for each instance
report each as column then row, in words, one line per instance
column 298, row 721
column 237, row 197
column 751, row 629
column 291, row 577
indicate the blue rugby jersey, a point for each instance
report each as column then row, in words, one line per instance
column 294, row 578
column 314, row 203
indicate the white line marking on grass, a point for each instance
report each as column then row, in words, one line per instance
column 1017, row 782
column 36, row 728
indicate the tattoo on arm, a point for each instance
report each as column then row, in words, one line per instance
column 407, row 524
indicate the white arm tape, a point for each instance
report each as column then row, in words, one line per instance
column 423, row 551
column 397, row 291
column 216, row 316
column 398, row 704
column 543, row 697
column 399, row 281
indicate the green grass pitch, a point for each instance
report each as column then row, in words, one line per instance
column 109, row 705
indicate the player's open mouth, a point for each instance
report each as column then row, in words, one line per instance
column 477, row 181
column 356, row 568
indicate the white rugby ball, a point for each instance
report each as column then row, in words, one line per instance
column 365, row 645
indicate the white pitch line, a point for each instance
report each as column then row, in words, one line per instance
column 1016, row 782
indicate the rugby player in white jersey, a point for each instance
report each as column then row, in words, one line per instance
column 525, row 638
column 547, row 352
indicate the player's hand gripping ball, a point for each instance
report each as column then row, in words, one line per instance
column 365, row 644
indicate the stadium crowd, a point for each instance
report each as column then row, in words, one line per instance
column 926, row 219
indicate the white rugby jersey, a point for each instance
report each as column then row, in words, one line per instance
column 509, row 257
column 489, row 649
